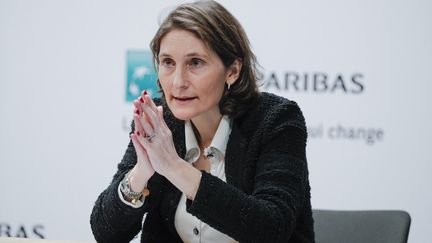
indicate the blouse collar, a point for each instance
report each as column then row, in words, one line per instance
column 217, row 146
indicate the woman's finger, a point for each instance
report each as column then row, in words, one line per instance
column 144, row 127
column 145, row 98
column 152, row 116
column 161, row 119
column 151, row 103
column 138, row 147
column 144, row 142
column 138, row 126
column 144, row 103
column 137, row 105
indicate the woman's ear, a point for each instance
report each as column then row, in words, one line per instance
column 233, row 72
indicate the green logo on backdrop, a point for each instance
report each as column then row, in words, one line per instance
column 141, row 75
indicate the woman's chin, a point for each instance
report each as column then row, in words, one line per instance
column 183, row 115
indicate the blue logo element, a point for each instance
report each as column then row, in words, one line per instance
column 141, row 75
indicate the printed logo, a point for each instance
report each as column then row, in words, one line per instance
column 141, row 74
column 315, row 82
column 22, row 231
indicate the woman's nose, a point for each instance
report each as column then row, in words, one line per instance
column 180, row 79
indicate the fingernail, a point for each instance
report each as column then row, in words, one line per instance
column 138, row 133
column 141, row 99
column 145, row 92
column 137, row 111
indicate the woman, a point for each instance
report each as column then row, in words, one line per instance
column 213, row 160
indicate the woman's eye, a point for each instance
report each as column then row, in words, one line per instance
column 167, row 62
column 195, row 63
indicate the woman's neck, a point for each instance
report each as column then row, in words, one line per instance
column 206, row 127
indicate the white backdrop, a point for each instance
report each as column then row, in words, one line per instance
column 365, row 64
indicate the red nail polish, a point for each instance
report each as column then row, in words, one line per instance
column 141, row 99
column 138, row 133
column 137, row 111
column 145, row 92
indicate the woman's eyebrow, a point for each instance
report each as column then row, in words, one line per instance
column 194, row 54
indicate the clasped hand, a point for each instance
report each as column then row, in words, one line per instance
column 152, row 140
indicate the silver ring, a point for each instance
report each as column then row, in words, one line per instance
column 151, row 137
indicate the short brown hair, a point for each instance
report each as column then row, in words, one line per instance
column 222, row 33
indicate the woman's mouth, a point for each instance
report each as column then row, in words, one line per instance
column 184, row 99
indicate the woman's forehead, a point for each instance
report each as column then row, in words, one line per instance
column 184, row 43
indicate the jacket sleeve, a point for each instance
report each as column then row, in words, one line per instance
column 280, row 192
column 111, row 219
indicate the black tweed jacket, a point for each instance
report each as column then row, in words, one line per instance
column 266, row 197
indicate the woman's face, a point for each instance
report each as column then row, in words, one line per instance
column 191, row 75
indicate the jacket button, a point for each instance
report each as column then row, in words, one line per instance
column 195, row 231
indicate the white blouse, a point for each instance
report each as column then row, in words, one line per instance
column 190, row 228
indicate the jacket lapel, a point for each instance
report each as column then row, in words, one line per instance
column 234, row 157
